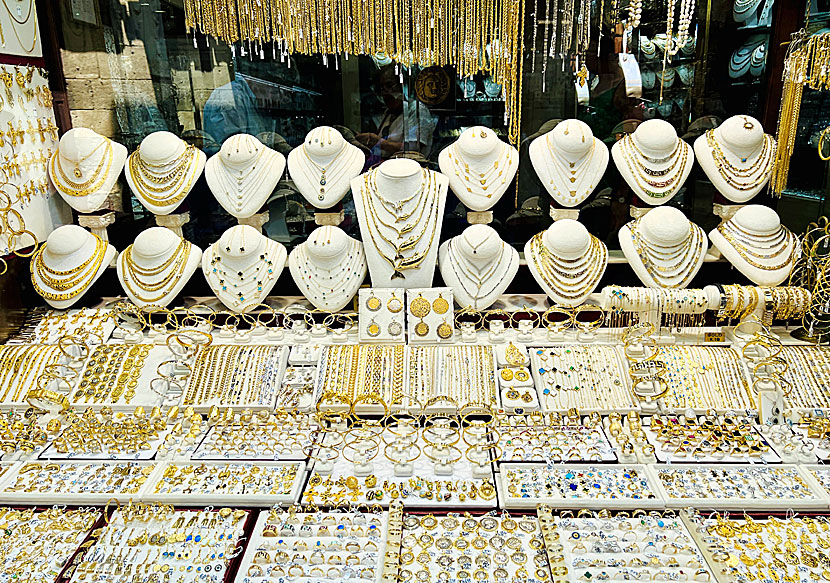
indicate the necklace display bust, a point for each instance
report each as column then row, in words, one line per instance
column 328, row 268
column 242, row 267
column 479, row 166
column 323, row 166
column 737, row 157
column 569, row 161
column 400, row 209
column 162, row 171
column 664, row 248
column 68, row 264
column 243, row 174
column 758, row 245
column 478, row 266
column 155, row 268
column 85, row 168
column 653, row 161
column 566, row 261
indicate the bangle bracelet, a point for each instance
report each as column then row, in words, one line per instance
column 47, row 400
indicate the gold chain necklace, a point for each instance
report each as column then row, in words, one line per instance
column 144, row 176
column 742, row 178
column 322, row 170
column 482, row 276
column 131, row 271
column 70, row 188
column 21, row 22
column 481, row 182
column 747, row 253
column 640, row 171
column 675, row 276
column 570, row 285
column 79, row 278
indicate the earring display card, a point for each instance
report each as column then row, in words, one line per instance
column 381, row 314
column 430, row 315
column 323, row 547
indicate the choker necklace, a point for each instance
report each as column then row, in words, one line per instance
column 570, row 279
column 738, row 177
column 131, row 271
column 479, row 183
column 320, row 282
column 682, row 259
column 172, row 180
column 475, row 275
column 75, row 280
column 71, row 188
column 747, row 244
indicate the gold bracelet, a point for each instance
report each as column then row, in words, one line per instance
column 45, row 399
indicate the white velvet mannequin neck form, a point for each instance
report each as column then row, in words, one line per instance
column 243, row 174
column 243, row 250
column 399, row 181
column 742, row 141
column 478, row 155
column 478, row 266
column 78, row 147
column 328, row 268
column 656, row 139
column 324, row 148
column 66, row 248
column 668, row 230
column 159, row 149
column 570, row 242
column 569, row 161
column 758, row 221
column 151, row 249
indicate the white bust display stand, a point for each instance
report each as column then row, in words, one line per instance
column 478, row 266
column 757, row 220
column 396, row 180
column 243, row 250
column 569, row 241
column 160, row 148
column 323, row 166
column 66, row 248
column 328, row 268
column 664, row 227
column 569, row 161
column 86, row 150
column 742, row 141
column 243, row 174
column 479, row 156
column 657, row 139
column 152, row 248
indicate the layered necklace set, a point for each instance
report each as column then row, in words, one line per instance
column 395, row 237
column 238, row 184
column 240, row 282
column 486, row 183
column 563, row 171
column 97, row 178
column 743, row 177
column 167, row 183
column 471, row 276
column 70, row 282
column 324, row 283
column 162, row 278
column 330, row 172
column 570, row 279
column 758, row 249
column 662, row 183
column 671, row 266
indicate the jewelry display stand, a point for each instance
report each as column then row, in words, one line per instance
column 653, row 161
column 737, row 157
column 242, row 267
column 323, row 166
column 756, row 243
column 256, row 221
column 68, row 264
column 747, row 13
column 472, row 260
column 387, row 199
column 664, row 248
column 98, row 224
column 174, row 222
column 162, row 171
column 569, row 162
column 328, row 268
column 566, row 261
column 85, row 168
column 381, row 313
column 243, row 174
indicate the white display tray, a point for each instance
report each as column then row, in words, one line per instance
column 511, row 503
column 667, row 456
column 604, row 446
column 817, row 499
column 201, row 454
column 50, row 453
column 76, row 497
column 191, row 499
column 257, row 539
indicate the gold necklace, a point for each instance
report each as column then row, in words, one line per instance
column 24, row 21
column 80, row 280
column 132, row 271
column 747, row 253
column 322, row 170
column 641, row 172
column 568, row 284
column 688, row 253
column 742, row 178
column 475, row 276
column 144, row 175
column 481, row 182
column 94, row 183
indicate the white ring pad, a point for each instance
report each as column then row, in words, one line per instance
column 569, row 161
column 664, row 227
column 162, row 148
column 479, row 166
column 79, row 145
column 66, row 248
column 324, row 148
column 658, row 140
column 477, row 261
column 243, row 174
column 328, row 268
column 240, row 249
column 742, row 141
column 396, row 180
column 758, row 220
column 568, row 241
column 152, row 248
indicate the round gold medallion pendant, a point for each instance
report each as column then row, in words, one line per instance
column 421, row 328
column 440, row 305
column 444, row 330
column 419, row 307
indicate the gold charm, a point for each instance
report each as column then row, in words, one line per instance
column 513, row 355
column 440, row 305
column 373, row 329
column 419, row 307
column 444, row 330
column 373, row 303
column 394, row 305
column 421, row 328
